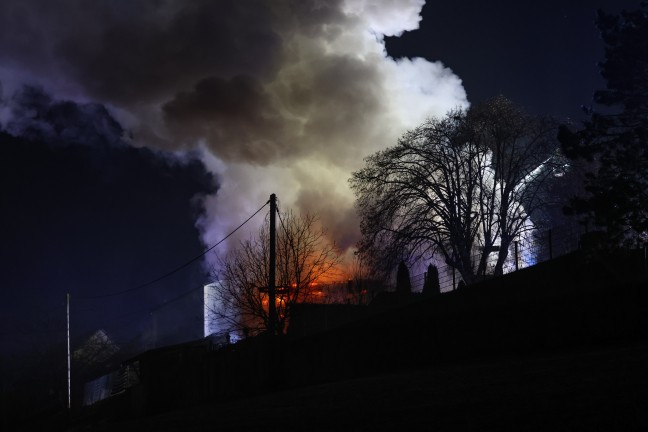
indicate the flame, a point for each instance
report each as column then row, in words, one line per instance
column 332, row 287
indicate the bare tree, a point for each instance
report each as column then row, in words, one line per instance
column 419, row 197
column 461, row 186
column 363, row 283
column 524, row 155
column 305, row 261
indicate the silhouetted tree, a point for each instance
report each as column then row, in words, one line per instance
column 524, row 156
column 403, row 283
column 305, row 259
column 364, row 284
column 431, row 285
column 462, row 186
column 615, row 138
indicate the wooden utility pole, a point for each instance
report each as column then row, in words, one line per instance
column 272, row 310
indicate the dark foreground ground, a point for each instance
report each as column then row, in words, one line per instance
column 595, row 388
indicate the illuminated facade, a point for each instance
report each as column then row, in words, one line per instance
column 211, row 304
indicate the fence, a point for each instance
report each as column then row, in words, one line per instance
column 111, row 384
column 537, row 246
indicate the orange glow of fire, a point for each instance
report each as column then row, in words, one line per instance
column 326, row 288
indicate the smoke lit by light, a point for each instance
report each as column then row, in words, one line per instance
column 281, row 97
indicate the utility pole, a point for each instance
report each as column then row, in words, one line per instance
column 272, row 310
column 69, row 389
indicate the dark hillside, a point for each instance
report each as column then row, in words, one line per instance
column 572, row 301
column 538, row 321
column 601, row 388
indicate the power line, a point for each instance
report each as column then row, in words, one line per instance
column 174, row 299
column 177, row 269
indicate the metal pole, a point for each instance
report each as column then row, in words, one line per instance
column 272, row 311
column 69, row 404
column 516, row 256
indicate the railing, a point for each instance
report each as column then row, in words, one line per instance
column 111, row 384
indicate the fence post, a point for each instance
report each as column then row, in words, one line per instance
column 454, row 286
column 645, row 260
column 516, row 255
column 550, row 246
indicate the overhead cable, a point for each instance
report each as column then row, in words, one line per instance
column 177, row 269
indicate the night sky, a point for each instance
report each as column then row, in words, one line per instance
column 135, row 134
column 541, row 55
column 93, row 216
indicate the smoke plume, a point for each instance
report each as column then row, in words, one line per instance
column 282, row 97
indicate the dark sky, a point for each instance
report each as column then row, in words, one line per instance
column 85, row 212
column 105, row 184
column 542, row 55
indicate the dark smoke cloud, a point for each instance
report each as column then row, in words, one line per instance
column 339, row 217
column 36, row 116
column 235, row 115
column 139, row 51
column 87, row 213
column 282, row 96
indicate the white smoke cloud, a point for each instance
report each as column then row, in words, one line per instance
column 344, row 99
column 282, row 97
column 387, row 17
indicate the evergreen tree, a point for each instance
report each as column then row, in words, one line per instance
column 431, row 285
column 615, row 138
column 403, row 284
